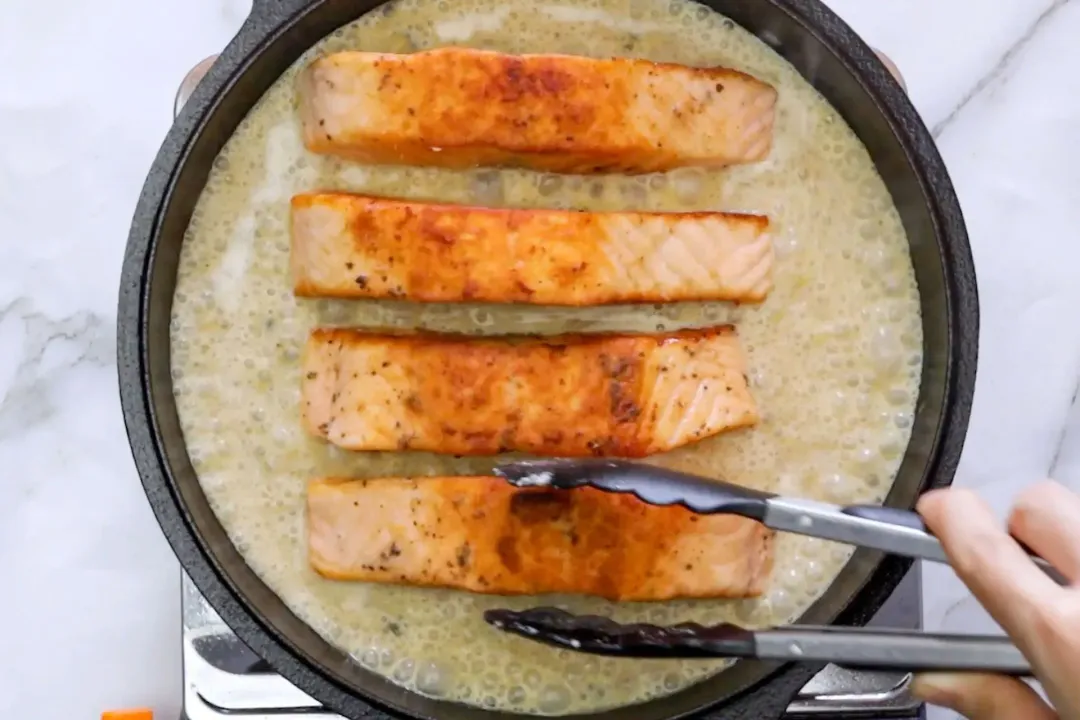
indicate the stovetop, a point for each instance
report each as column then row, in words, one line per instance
column 223, row 678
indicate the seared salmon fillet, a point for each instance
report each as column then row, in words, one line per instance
column 352, row 246
column 457, row 107
column 482, row 535
column 626, row 396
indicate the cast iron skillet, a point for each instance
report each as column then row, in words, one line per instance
column 827, row 53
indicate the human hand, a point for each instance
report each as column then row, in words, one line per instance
column 1042, row 618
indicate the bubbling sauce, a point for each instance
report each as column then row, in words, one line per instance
column 835, row 351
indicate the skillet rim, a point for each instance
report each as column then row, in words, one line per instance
column 272, row 21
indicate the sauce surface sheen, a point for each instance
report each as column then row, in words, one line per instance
column 834, row 352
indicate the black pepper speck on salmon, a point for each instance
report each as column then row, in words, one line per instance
column 482, row 535
column 433, row 252
column 459, row 107
column 602, row 395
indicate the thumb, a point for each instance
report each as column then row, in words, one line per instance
column 982, row 697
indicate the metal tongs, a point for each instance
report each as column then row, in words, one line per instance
column 891, row 530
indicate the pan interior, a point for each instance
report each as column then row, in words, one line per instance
column 236, row 331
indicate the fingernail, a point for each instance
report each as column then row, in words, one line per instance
column 935, row 688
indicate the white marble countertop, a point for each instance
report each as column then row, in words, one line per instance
column 91, row 589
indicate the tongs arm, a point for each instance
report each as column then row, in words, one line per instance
column 892, row 650
column 891, row 530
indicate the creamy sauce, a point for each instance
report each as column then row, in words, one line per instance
column 834, row 351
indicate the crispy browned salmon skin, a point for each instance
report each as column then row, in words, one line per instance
column 482, row 535
column 352, row 246
column 457, row 107
column 627, row 396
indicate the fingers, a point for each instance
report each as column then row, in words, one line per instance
column 983, row 697
column 1046, row 517
column 992, row 564
column 891, row 67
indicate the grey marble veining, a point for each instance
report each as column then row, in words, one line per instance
column 1003, row 62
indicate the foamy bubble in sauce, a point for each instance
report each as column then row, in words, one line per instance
column 835, row 351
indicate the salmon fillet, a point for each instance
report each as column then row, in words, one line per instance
column 482, row 535
column 625, row 396
column 351, row 246
column 457, row 107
